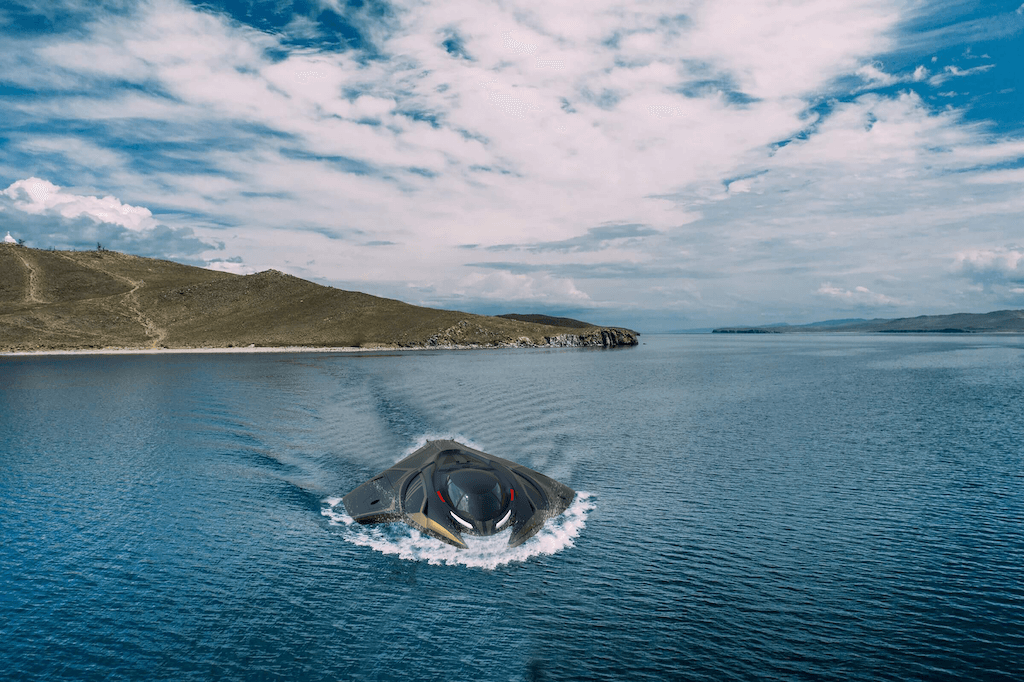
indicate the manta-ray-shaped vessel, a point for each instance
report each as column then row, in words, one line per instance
column 446, row 489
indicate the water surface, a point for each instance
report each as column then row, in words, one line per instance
column 812, row 507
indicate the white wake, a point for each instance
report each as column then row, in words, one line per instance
column 408, row 543
column 438, row 435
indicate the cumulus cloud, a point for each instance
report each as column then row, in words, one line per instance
column 161, row 241
column 41, row 197
column 996, row 272
column 48, row 215
column 1001, row 264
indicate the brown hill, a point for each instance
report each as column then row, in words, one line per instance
column 102, row 299
column 548, row 319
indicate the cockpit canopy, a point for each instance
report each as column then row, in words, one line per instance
column 476, row 493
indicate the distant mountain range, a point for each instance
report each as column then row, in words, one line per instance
column 55, row 300
column 997, row 322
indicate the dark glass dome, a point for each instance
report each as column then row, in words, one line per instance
column 476, row 493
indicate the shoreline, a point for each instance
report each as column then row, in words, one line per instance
column 161, row 351
column 263, row 349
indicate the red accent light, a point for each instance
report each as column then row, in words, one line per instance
column 439, row 495
column 513, row 491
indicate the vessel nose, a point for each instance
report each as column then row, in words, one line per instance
column 486, row 527
column 478, row 495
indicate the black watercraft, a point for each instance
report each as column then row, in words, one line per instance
column 446, row 489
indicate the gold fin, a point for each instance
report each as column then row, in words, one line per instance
column 433, row 526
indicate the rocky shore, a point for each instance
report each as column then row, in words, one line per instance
column 466, row 334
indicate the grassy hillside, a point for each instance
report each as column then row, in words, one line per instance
column 548, row 319
column 100, row 299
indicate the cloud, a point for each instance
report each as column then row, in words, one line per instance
column 894, row 135
column 40, row 197
column 419, row 115
column 989, row 266
column 160, row 241
column 785, row 50
column 957, row 30
column 861, row 296
column 875, row 77
column 956, row 72
column 596, row 239
column 1013, row 176
column 233, row 265
column 49, row 215
column 740, row 186
column 996, row 272
column 532, row 288
column 514, row 104
column 516, row 46
column 724, row 152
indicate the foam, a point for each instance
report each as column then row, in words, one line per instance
column 488, row 553
column 432, row 436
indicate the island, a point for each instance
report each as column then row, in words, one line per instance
column 107, row 300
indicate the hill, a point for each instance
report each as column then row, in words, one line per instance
column 548, row 320
column 997, row 322
column 104, row 299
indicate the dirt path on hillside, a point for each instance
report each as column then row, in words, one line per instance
column 32, row 295
column 156, row 333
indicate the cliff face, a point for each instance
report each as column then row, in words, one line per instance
column 102, row 299
column 606, row 337
column 470, row 333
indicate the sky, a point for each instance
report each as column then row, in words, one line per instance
column 661, row 165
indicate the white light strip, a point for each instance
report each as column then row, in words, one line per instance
column 467, row 525
column 504, row 518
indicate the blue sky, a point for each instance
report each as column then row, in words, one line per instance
column 662, row 165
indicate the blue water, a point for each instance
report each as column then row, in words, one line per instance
column 757, row 507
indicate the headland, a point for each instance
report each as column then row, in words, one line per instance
column 106, row 301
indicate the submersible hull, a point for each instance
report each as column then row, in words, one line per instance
column 447, row 489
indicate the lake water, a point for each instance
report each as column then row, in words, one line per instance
column 750, row 507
